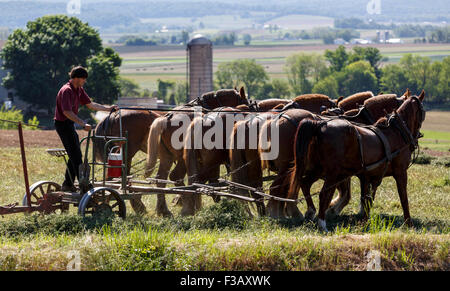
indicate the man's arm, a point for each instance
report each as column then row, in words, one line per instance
column 72, row 116
column 99, row 107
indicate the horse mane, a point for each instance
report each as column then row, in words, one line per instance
column 243, row 107
column 381, row 102
column 306, row 97
column 351, row 112
column 218, row 94
column 350, row 102
column 382, row 122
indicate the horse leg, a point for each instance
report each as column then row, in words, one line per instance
column 365, row 197
column 305, row 185
column 274, row 207
column 136, row 201
column 254, row 178
column 190, row 202
column 326, row 194
column 342, row 200
column 291, row 208
column 163, row 171
column 401, row 180
column 177, row 175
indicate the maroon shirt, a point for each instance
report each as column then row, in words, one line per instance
column 68, row 99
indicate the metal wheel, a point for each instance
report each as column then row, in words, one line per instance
column 37, row 192
column 102, row 202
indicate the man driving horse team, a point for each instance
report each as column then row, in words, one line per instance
column 69, row 98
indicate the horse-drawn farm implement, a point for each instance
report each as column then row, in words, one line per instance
column 106, row 196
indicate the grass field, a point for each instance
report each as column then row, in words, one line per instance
column 146, row 65
column 222, row 237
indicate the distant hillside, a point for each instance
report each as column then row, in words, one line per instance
column 124, row 16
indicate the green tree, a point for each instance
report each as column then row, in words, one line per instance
column 394, row 80
column 278, row 88
column 242, row 72
column 184, row 36
column 247, row 39
column 304, row 70
column 103, row 82
column 338, row 59
column 128, row 88
column 444, row 85
column 39, row 57
column 357, row 77
column 327, row 86
column 417, row 70
column 163, row 90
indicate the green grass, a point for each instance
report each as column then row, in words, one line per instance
column 222, row 237
column 435, row 140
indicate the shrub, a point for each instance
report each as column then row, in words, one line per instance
column 423, row 159
column 15, row 115
column 225, row 214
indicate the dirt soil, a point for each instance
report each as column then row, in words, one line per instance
column 50, row 139
column 34, row 138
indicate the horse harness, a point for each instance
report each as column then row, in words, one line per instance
column 398, row 123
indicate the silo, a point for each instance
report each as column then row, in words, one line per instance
column 199, row 66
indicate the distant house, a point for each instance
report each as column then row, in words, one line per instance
column 360, row 41
column 394, row 40
column 340, row 41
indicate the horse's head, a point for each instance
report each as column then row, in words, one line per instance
column 222, row 98
column 412, row 113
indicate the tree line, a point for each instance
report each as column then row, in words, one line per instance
column 39, row 57
column 342, row 72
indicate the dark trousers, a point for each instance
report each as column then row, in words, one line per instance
column 71, row 142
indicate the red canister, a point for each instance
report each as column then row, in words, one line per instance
column 115, row 159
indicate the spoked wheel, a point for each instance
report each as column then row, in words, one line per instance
column 40, row 194
column 102, row 202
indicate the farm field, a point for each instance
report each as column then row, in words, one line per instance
column 221, row 237
column 146, row 65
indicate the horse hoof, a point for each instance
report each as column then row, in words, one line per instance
column 165, row 214
column 331, row 213
column 323, row 225
column 310, row 215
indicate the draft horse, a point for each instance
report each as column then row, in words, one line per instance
column 368, row 152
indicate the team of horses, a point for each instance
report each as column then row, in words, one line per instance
column 362, row 135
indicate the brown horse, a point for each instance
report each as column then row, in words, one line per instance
column 349, row 103
column 174, row 124
column 368, row 152
column 246, row 163
column 373, row 109
column 203, row 164
column 251, row 174
column 136, row 123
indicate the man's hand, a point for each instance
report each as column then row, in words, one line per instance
column 87, row 127
column 113, row 108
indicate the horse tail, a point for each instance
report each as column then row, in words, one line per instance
column 189, row 151
column 237, row 156
column 103, row 128
column 264, row 141
column 306, row 130
column 154, row 137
